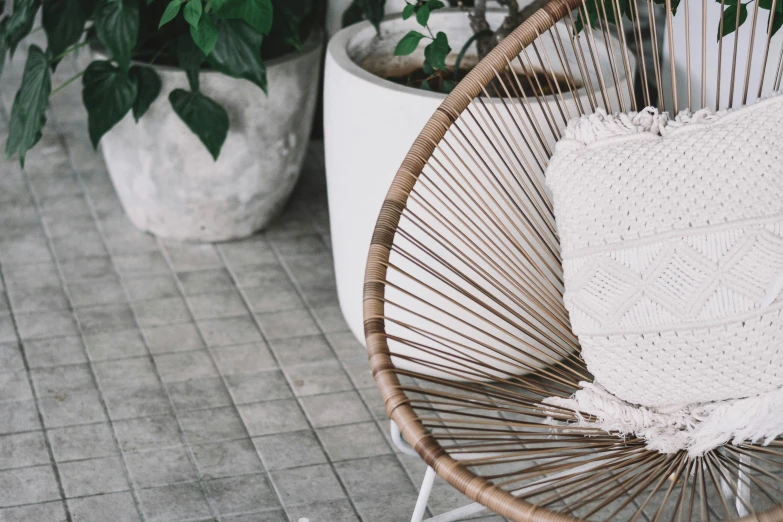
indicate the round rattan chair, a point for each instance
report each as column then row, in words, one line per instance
column 465, row 324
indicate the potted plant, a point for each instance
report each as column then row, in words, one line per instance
column 177, row 98
column 382, row 84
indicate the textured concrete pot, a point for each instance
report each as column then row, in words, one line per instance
column 169, row 184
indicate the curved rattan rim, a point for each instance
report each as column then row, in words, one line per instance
column 397, row 404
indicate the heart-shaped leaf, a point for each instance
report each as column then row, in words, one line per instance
column 207, row 119
column 408, row 43
column 117, row 27
column 205, row 35
column 149, row 86
column 192, row 12
column 730, row 19
column 256, row 13
column 238, row 52
column 108, row 93
column 189, row 59
column 437, row 51
column 423, row 15
column 20, row 22
column 373, row 11
column 63, row 21
column 354, row 14
column 171, row 12
column 28, row 113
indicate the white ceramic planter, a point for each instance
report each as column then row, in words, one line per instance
column 370, row 124
column 169, row 184
column 336, row 8
column 711, row 53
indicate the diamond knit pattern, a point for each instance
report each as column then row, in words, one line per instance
column 672, row 245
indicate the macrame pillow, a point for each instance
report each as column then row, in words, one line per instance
column 672, row 245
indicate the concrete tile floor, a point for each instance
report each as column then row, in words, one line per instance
column 145, row 380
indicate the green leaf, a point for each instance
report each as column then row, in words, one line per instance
column 63, row 21
column 171, row 12
column 20, row 22
column 373, row 11
column 117, row 27
column 189, row 59
column 435, row 4
column 437, row 51
column 425, row 86
column 203, row 116
column 149, row 86
column 408, row 43
column 408, row 11
column 256, row 13
column 730, row 19
column 777, row 22
column 423, row 15
column 192, row 12
column 205, row 35
column 427, row 67
column 448, row 86
column 108, row 93
column 3, row 48
column 28, row 114
column 767, row 4
column 238, row 52
column 353, row 14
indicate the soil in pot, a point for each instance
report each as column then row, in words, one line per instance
column 444, row 81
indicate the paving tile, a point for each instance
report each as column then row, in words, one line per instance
column 82, row 442
column 372, row 475
column 151, row 287
column 7, row 329
column 242, row 494
column 185, row 366
column 28, row 486
column 160, row 467
column 307, row 245
column 227, row 459
column 247, row 252
column 318, row 378
column 335, row 409
column 41, row 325
column 21, row 450
column 11, row 357
column 68, row 409
column 39, row 299
column 205, row 281
column 136, row 401
column 264, row 418
column 115, row 345
column 218, row 304
column 300, row 350
column 229, row 331
column 173, row 338
column 57, row 351
column 272, row 515
column 372, row 398
column 14, row 386
column 244, row 358
column 117, row 507
column 138, row 371
column 32, row 275
column 147, row 433
column 159, row 312
column 290, row 450
column 200, row 394
column 386, row 506
column 93, row 477
column 174, row 502
column 105, row 318
column 255, row 387
column 65, row 207
column 26, row 248
column 63, row 380
column 92, row 293
column 273, row 297
column 307, row 484
column 192, row 256
column 46, row 512
column 72, row 247
column 330, row 318
column 100, row 268
column 249, row 276
column 17, row 416
column 353, row 441
column 358, row 369
column 290, row 323
column 212, row 425
column 147, row 263
column 332, row 510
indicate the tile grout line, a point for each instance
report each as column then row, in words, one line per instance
column 258, row 326
column 299, row 291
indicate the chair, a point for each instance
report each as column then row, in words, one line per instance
column 464, row 319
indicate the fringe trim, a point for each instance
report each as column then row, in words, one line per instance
column 696, row 428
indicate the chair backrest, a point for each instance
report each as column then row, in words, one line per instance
column 465, row 323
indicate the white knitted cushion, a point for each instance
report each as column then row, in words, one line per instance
column 672, row 245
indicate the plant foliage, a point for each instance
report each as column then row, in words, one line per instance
column 233, row 37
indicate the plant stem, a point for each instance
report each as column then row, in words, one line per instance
column 67, row 83
column 69, row 50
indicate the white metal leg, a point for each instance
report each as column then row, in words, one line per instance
column 424, row 495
